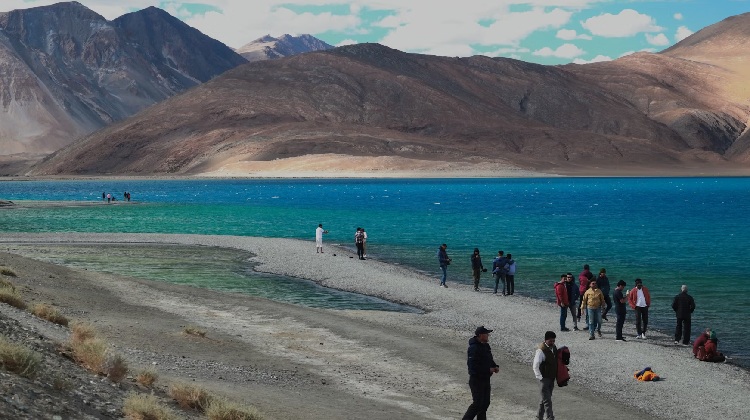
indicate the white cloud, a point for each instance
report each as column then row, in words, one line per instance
column 563, row 51
column 508, row 52
column 678, row 16
column 346, row 42
column 682, row 33
column 627, row 23
column 571, row 34
column 597, row 59
column 658, row 40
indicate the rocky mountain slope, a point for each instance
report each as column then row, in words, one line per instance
column 66, row 71
column 360, row 103
column 268, row 47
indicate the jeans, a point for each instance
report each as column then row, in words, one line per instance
column 573, row 313
column 480, row 394
column 563, row 316
column 595, row 320
column 548, row 384
column 641, row 319
column 682, row 331
column 444, row 269
column 499, row 277
column 620, row 323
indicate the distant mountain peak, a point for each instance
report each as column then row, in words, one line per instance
column 267, row 47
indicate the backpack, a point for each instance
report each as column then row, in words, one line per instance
column 359, row 237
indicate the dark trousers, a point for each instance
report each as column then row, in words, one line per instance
column 360, row 250
column 511, row 279
column 476, row 273
column 480, row 393
column 619, row 325
column 641, row 319
column 563, row 316
column 608, row 301
column 682, row 331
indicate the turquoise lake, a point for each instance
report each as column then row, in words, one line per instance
column 667, row 231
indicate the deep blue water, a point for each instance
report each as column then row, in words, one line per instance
column 667, row 231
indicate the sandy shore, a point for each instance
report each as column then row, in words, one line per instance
column 380, row 365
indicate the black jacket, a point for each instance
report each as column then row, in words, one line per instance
column 479, row 359
column 684, row 305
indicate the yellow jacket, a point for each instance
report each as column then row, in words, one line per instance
column 593, row 298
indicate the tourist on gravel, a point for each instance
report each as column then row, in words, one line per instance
column 619, row 310
column 545, row 370
column 359, row 242
column 476, row 268
column 561, row 296
column 593, row 303
column 583, row 284
column 639, row 299
column 683, row 305
column 319, row 232
column 603, row 282
column 499, row 270
column 481, row 367
column 570, row 284
column 510, row 276
column 443, row 261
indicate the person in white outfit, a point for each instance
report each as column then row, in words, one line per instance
column 319, row 232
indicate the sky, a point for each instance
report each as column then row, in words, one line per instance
column 538, row 31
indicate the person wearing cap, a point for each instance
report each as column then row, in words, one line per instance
column 481, row 367
column 476, row 268
column 443, row 261
column 545, row 370
column 639, row 299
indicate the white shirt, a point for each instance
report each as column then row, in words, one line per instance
column 538, row 359
column 641, row 299
column 319, row 234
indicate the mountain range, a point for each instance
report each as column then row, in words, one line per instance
column 269, row 48
column 370, row 108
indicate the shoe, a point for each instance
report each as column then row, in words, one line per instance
column 592, row 338
column 576, row 329
column 639, row 336
column 600, row 334
column 564, row 329
column 476, row 289
column 643, row 336
column 620, row 339
column 677, row 342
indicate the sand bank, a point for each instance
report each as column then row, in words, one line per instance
column 365, row 364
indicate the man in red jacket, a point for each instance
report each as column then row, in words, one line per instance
column 561, row 294
column 639, row 299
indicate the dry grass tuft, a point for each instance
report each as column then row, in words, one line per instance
column 190, row 396
column 117, row 368
column 18, row 359
column 91, row 354
column 82, row 331
column 7, row 272
column 49, row 313
column 5, row 284
column 146, row 407
column 11, row 297
column 147, row 377
column 221, row 409
column 193, row 330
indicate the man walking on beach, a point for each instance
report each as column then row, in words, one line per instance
column 359, row 242
column 619, row 310
column 639, row 299
column 545, row 370
column 583, row 284
column 561, row 295
column 683, row 305
column 481, row 367
column 499, row 270
column 319, row 232
column 593, row 303
column 570, row 284
column 476, row 268
column 603, row 282
column 443, row 260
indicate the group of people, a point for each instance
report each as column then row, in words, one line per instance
column 109, row 197
column 360, row 241
column 503, row 269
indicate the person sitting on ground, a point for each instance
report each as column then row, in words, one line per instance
column 701, row 341
column 712, row 353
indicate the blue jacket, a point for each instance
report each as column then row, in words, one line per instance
column 442, row 256
column 479, row 359
column 498, row 265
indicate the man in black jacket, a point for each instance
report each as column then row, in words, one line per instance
column 481, row 367
column 683, row 305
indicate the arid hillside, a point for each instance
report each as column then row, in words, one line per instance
column 373, row 108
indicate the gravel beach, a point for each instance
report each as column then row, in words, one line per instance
column 296, row 362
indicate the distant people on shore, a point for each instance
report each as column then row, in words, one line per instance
column 109, row 197
column 364, row 243
column 481, row 368
column 701, row 341
column 104, row 196
column 710, row 351
column 572, row 289
column 359, row 242
column 683, row 305
column 640, row 299
column 561, row 296
column 476, row 268
column 603, row 282
column 319, row 232
column 499, row 270
column 620, row 310
column 510, row 276
column 593, row 303
column 545, row 370
column 584, row 278
column 126, row 196
column 443, row 261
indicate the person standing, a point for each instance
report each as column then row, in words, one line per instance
column 619, row 310
column 364, row 243
column 476, row 268
column 561, row 295
column 639, row 299
column 583, row 284
column 498, row 269
column 545, row 370
column 319, row 232
column 109, row 197
column 593, row 303
column 443, row 260
column 510, row 276
column 683, row 305
column 603, row 282
column 481, row 367
column 359, row 240
column 570, row 284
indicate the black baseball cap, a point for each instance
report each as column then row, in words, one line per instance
column 482, row 330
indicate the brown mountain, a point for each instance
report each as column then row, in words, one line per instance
column 368, row 107
column 66, row 71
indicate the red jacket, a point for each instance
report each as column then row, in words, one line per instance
column 633, row 296
column 583, row 281
column 561, row 293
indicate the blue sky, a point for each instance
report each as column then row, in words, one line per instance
column 540, row 31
